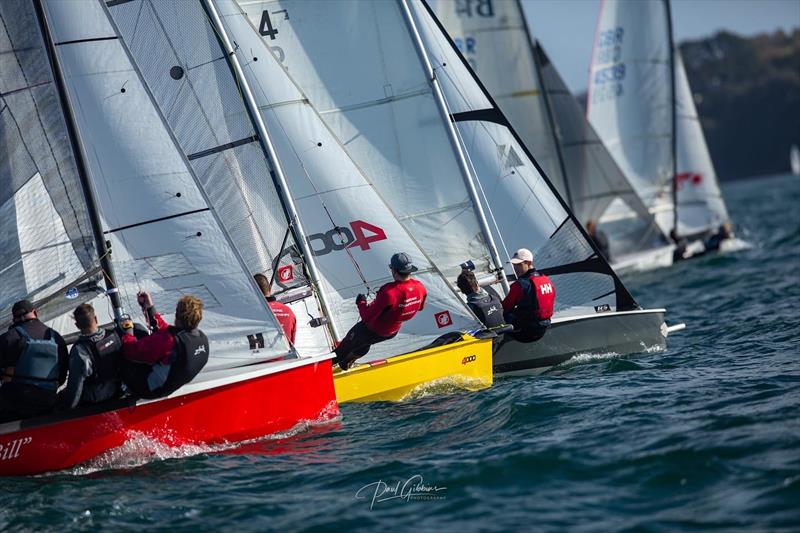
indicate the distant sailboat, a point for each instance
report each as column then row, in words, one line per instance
column 496, row 41
column 794, row 159
column 640, row 103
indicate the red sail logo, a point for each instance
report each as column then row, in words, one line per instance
column 443, row 319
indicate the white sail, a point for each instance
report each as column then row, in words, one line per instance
column 794, row 159
column 46, row 243
column 493, row 38
column 630, row 99
column 352, row 231
column 526, row 208
column 357, row 65
column 166, row 236
column 701, row 207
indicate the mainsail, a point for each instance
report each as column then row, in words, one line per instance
column 527, row 210
column 357, row 64
column 47, row 251
column 166, row 236
column 352, row 231
column 630, row 99
column 701, row 208
column 494, row 39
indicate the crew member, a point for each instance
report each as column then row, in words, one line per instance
column 395, row 303
column 530, row 301
column 715, row 241
column 486, row 305
column 171, row 356
column 33, row 359
column 94, row 362
column 282, row 312
column 599, row 238
column 681, row 245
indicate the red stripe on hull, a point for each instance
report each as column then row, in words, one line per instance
column 239, row 411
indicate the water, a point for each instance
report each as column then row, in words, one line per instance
column 707, row 434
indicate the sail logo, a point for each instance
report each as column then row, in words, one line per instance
column 546, row 288
column 443, row 319
column 11, row 449
column 688, row 177
column 360, row 234
column 468, row 8
column 286, row 273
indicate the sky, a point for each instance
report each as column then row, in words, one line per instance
column 566, row 27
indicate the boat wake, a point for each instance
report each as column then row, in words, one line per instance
column 734, row 245
column 446, row 385
column 140, row 449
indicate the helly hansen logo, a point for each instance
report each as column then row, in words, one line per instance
column 492, row 309
column 443, row 319
column 546, row 288
column 201, row 349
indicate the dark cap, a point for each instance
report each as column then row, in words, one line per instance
column 22, row 307
column 402, row 264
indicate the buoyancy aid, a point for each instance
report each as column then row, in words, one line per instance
column 38, row 363
column 539, row 298
column 106, row 353
column 191, row 355
column 488, row 309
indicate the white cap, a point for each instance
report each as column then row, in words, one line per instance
column 521, row 255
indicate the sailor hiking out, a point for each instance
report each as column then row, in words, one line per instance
column 94, row 362
column 530, row 301
column 33, row 359
column 172, row 356
column 484, row 303
column 395, row 303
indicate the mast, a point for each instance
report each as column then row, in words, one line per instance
column 548, row 108
column 673, row 119
column 278, row 176
column 462, row 161
column 103, row 248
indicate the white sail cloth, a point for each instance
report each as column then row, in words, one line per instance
column 46, row 243
column 166, row 236
column 352, row 232
column 701, row 208
column 629, row 99
column 357, row 65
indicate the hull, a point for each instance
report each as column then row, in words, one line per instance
column 466, row 364
column 270, row 398
column 646, row 260
column 604, row 333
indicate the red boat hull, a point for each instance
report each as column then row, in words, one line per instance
column 238, row 411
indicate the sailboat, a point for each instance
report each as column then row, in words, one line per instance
column 496, row 41
column 394, row 119
column 794, row 160
column 130, row 212
column 640, row 103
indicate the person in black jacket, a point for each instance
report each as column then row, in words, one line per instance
column 33, row 360
column 486, row 305
column 94, row 362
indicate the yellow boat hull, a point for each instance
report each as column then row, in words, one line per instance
column 466, row 364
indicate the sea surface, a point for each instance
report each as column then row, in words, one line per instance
column 705, row 435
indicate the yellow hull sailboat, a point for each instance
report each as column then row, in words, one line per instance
column 466, row 364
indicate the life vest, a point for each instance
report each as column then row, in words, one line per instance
column 38, row 363
column 489, row 310
column 539, row 296
column 106, row 353
column 191, row 355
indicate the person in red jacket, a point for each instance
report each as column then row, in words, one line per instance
column 159, row 364
column 395, row 303
column 530, row 301
column 284, row 314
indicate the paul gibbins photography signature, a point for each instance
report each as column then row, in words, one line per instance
column 413, row 488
